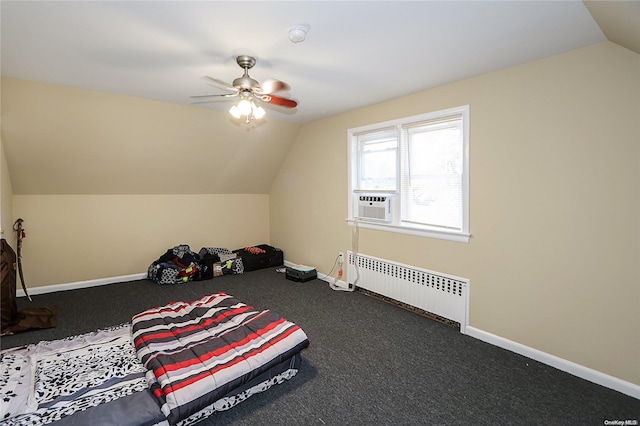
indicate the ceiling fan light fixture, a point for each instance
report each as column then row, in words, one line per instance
column 258, row 112
column 235, row 111
column 245, row 107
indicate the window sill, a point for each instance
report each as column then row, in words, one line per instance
column 417, row 231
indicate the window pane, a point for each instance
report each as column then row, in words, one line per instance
column 436, row 152
column 378, row 170
column 433, row 181
column 435, row 201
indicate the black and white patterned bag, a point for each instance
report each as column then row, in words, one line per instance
column 178, row 265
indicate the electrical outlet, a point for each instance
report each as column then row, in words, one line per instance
column 340, row 257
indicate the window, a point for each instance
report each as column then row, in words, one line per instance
column 377, row 162
column 422, row 164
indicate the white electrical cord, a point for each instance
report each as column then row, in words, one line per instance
column 355, row 236
column 326, row 277
column 354, row 249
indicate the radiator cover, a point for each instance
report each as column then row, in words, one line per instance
column 440, row 294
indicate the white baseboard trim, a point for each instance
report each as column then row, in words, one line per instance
column 577, row 370
column 80, row 284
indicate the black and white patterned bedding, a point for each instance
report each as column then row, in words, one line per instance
column 93, row 377
column 45, row 382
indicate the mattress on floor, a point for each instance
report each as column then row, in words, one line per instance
column 97, row 378
column 197, row 352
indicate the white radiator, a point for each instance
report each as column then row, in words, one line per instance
column 441, row 294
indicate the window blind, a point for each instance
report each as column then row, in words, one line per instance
column 378, row 164
column 431, row 179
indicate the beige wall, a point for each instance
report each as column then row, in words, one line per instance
column 62, row 140
column 84, row 237
column 6, row 199
column 79, row 159
column 555, row 203
column 6, row 192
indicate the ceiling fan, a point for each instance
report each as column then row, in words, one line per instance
column 249, row 89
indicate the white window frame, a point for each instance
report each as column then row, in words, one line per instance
column 462, row 235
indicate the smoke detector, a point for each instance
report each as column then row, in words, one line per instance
column 298, row 33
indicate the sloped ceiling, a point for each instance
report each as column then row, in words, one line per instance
column 62, row 140
column 619, row 20
column 96, row 95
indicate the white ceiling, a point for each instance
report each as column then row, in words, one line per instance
column 357, row 52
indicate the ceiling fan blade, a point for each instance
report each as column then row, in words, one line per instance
column 277, row 100
column 225, row 95
column 220, row 82
column 271, row 86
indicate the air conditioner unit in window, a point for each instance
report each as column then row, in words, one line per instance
column 374, row 207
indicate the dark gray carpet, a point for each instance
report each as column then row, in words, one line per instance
column 369, row 363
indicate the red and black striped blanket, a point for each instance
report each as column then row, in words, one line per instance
column 197, row 352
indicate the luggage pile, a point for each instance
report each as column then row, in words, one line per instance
column 180, row 265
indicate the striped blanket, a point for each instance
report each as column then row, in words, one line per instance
column 197, row 352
